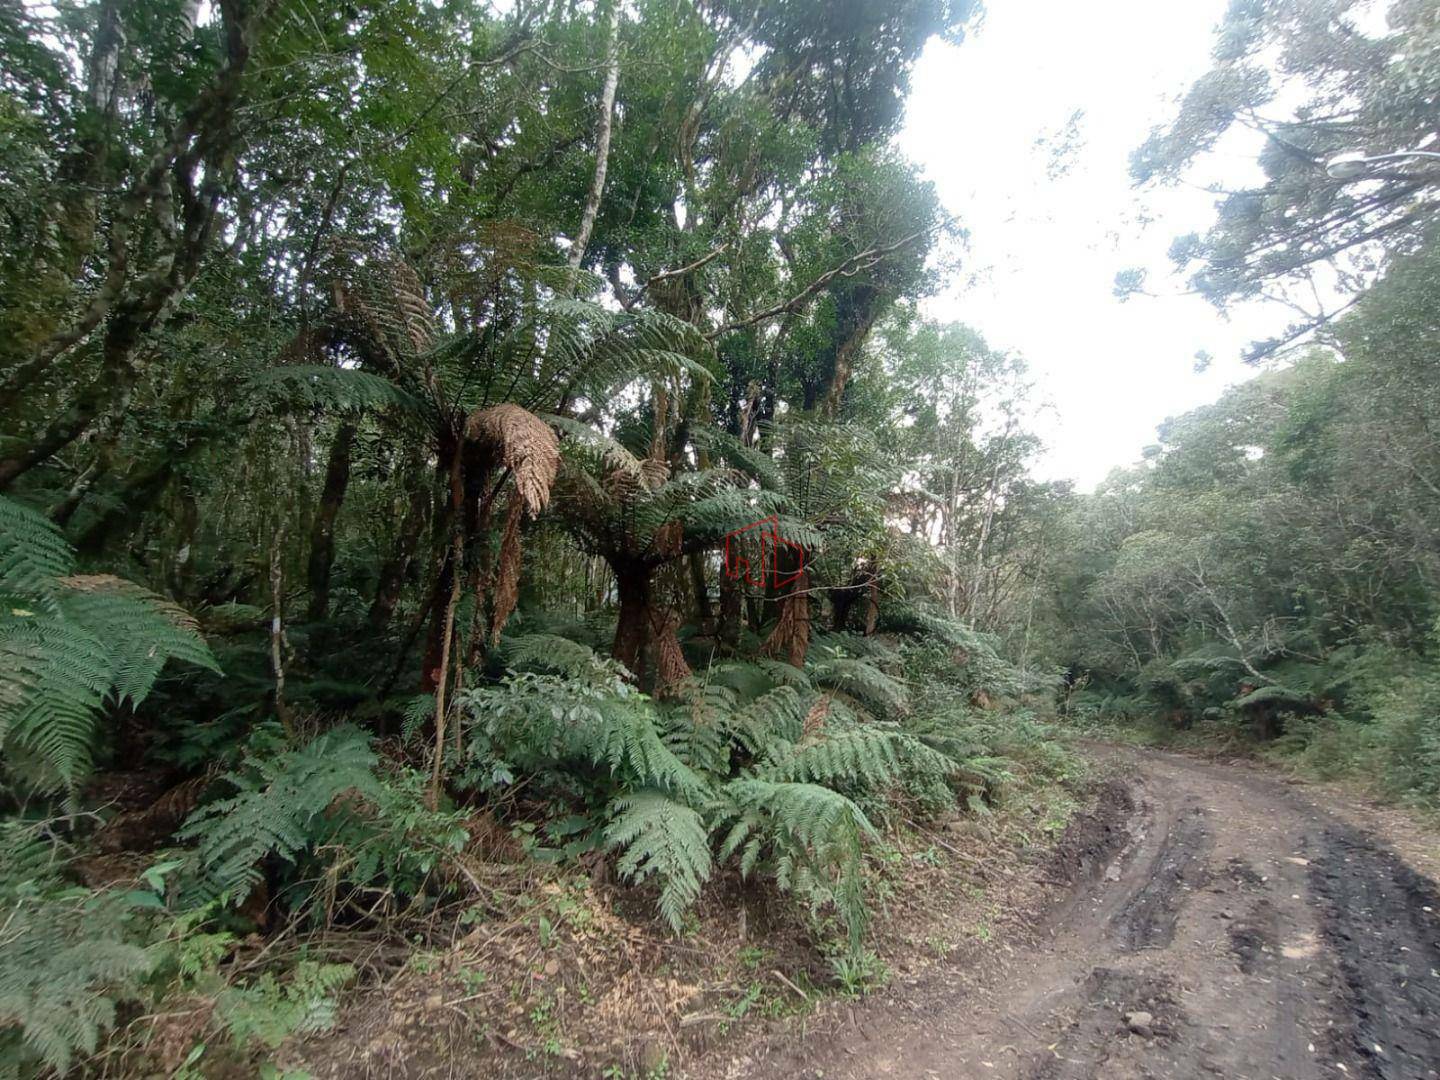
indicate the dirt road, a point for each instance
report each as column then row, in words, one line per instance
column 1224, row 927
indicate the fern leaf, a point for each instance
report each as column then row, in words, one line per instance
column 275, row 808
column 665, row 840
column 33, row 553
column 308, row 387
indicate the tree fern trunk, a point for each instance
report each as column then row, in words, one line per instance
column 703, row 610
column 731, row 602
column 632, row 626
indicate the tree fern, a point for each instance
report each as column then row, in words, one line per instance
column 665, row 840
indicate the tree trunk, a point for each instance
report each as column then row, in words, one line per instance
column 790, row 640
column 402, row 557
column 603, row 127
column 731, row 600
column 857, row 317
column 322, row 530
column 632, row 626
column 703, row 611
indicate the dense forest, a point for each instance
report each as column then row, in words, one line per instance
column 382, row 381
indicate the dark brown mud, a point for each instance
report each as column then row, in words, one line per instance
column 1382, row 921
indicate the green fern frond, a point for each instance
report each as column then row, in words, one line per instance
column 141, row 631
column 549, row 652
column 589, row 439
column 754, row 463
column 414, row 715
column 309, row 387
column 275, row 808
column 697, row 729
column 729, row 509
column 815, row 837
column 66, row 961
column 866, row 755
column 98, row 641
column 665, row 840
column 628, row 742
column 863, row 681
column 771, row 720
column 33, row 553
column 268, row 1011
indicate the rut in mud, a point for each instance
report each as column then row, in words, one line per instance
column 1218, row 925
column 1380, row 918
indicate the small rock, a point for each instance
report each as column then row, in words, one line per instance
column 1140, row 1023
column 1227, row 914
column 1112, row 872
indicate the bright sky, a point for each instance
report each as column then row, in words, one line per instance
column 1045, row 251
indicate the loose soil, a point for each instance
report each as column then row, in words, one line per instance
column 1221, row 924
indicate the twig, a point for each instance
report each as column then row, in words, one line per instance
column 801, row 993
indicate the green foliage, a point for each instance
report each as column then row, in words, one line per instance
column 72, row 646
column 279, row 808
column 68, row 957
column 811, row 837
column 1279, row 696
column 33, row 553
column 269, row 1010
column 307, row 387
column 861, row 755
column 312, row 432
column 665, row 840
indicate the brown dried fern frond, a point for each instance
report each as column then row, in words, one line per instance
column 790, row 640
column 669, row 539
column 506, row 587
column 654, row 473
column 148, row 825
column 411, row 306
column 382, row 298
column 814, row 723
column 524, row 444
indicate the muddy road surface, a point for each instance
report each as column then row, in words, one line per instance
column 1223, row 926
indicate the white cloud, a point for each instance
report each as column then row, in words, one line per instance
column 1046, row 250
